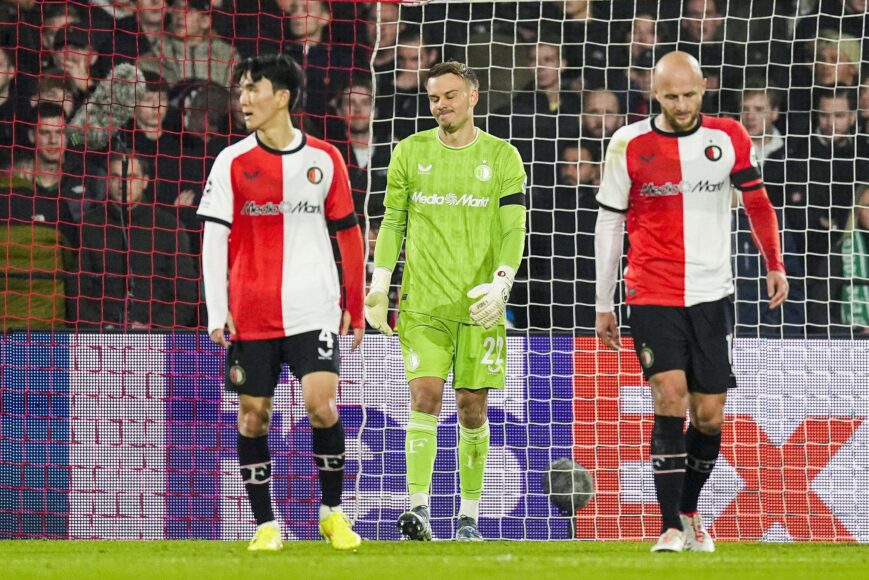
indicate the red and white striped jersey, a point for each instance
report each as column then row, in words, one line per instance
column 282, row 274
column 676, row 190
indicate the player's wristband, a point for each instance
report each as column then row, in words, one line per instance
column 380, row 279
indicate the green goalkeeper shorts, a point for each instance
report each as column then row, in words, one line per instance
column 433, row 346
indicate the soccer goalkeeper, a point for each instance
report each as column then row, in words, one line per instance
column 457, row 194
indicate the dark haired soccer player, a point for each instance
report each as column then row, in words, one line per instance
column 267, row 206
column 670, row 177
column 457, row 194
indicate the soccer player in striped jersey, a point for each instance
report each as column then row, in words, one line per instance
column 267, row 206
column 457, row 195
column 670, row 178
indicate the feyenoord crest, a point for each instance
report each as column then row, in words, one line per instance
column 315, row 175
column 647, row 357
column 483, row 172
column 237, row 375
column 713, row 152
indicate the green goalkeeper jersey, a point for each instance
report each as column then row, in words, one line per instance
column 452, row 202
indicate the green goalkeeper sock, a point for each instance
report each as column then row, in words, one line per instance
column 473, row 451
column 420, row 447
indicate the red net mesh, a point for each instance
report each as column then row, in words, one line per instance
column 127, row 104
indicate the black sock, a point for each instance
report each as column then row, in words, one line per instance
column 702, row 452
column 328, row 447
column 256, row 473
column 668, row 465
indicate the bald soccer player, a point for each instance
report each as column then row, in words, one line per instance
column 670, row 177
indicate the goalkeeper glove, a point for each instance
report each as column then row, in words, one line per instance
column 377, row 301
column 487, row 311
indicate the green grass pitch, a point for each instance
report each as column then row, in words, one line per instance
column 103, row 560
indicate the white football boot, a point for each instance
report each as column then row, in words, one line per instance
column 697, row 538
column 672, row 540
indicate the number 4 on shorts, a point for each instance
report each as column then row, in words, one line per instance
column 325, row 351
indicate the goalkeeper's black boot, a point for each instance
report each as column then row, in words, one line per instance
column 467, row 530
column 415, row 525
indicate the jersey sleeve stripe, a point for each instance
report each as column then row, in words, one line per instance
column 348, row 221
column 513, row 199
column 610, row 208
column 208, row 218
column 745, row 177
column 754, row 185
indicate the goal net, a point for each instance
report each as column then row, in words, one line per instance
column 114, row 421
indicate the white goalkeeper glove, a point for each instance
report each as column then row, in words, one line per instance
column 488, row 310
column 377, row 301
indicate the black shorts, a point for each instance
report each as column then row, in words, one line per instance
column 253, row 367
column 696, row 339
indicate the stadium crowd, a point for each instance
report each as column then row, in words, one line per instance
column 98, row 222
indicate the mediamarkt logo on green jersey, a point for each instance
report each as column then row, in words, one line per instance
column 467, row 200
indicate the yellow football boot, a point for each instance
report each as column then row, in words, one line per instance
column 267, row 538
column 337, row 531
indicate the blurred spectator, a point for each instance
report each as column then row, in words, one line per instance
column 37, row 234
column 642, row 36
column 8, row 107
column 134, row 35
column 351, row 134
column 28, row 301
column 540, row 115
column 585, row 41
column 759, row 112
column 811, row 150
column 146, row 134
column 73, row 54
column 20, row 23
column 835, row 64
column 53, row 88
column 28, row 202
column 643, row 42
column 601, row 117
column 206, row 114
column 863, row 108
column 54, row 171
column 327, row 62
column 837, row 60
column 148, row 137
column 702, row 34
column 56, row 16
column 561, row 245
column 101, row 16
column 383, row 60
column 403, row 105
column 753, row 315
column 205, row 117
column 98, row 17
column 579, row 165
column 825, row 166
column 640, row 101
column 187, row 50
column 413, row 59
column 137, row 271
column 845, row 16
column 839, row 293
column 855, row 267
